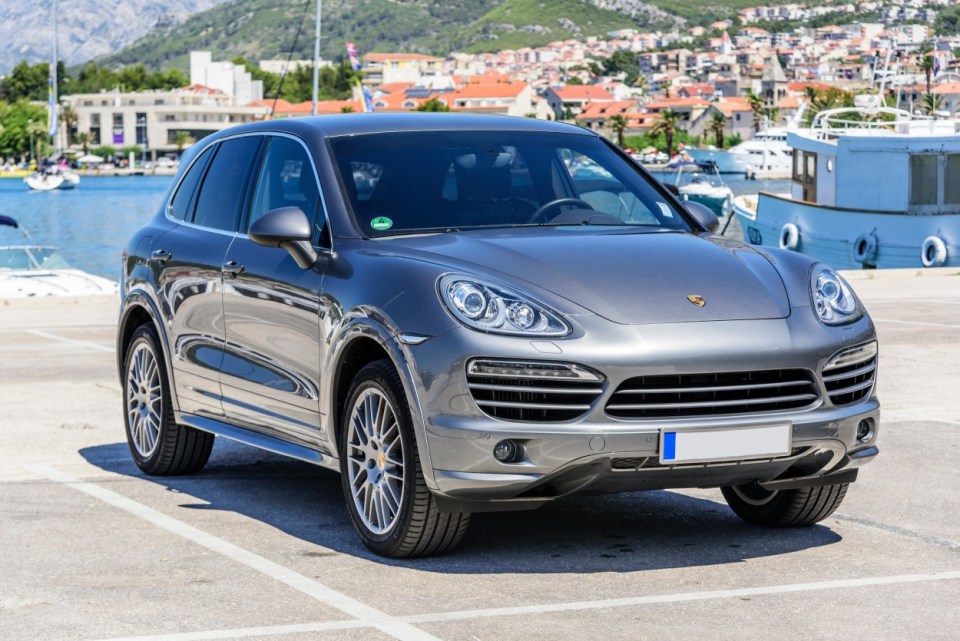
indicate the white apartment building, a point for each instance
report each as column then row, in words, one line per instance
column 151, row 119
column 224, row 76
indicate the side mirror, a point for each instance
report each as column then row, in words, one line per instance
column 703, row 215
column 288, row 228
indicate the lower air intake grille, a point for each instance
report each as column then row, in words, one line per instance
column 532, row 391
column 686, row 395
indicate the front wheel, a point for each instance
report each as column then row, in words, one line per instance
column 390, row 506
column 784, row 508
column 159, row 446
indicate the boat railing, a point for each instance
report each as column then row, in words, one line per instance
column 830, row 123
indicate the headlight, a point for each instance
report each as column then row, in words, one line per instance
column 833, row 299
column 494, row 308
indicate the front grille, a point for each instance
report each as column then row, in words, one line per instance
column 850, row 384
column 690, row 395
column 530, row 391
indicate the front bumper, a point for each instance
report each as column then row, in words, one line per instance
column 597, row 453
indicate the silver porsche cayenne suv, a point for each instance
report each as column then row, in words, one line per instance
column 463, row 313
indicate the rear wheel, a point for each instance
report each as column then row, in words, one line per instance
column 159, row 446
column 784, row 508
column 390, row 506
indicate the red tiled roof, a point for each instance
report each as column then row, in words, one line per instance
column 390, row 57
column 491, row 90
column 582, row 92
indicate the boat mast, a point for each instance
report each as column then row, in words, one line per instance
column 316, row 61
column 53, row 76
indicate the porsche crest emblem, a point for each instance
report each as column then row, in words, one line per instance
column 696, row 300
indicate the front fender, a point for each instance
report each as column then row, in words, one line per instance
column 363, row 324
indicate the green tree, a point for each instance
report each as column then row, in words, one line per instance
column 929, row 103
column 433, row 105
column 68, row 118
column 16, row 119
column 756, row 106
column 926, row 66
column 718, row 123
column 181, row 139
column 618, row 125
column 104, row 151
column 948, row 21
column 667, row 125
column 84, row 138
column 771, row 115
column 26, row 82
column 574, row 80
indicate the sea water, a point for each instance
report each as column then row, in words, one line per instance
column 92, row 223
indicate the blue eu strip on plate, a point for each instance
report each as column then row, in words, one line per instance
column 669, row 446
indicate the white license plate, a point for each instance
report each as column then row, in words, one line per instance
column 704, row 446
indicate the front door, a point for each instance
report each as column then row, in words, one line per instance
column 270, row 374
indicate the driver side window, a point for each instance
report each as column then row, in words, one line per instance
column 286, row 179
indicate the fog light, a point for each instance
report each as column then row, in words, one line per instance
column 507, row 451
column 865, row 430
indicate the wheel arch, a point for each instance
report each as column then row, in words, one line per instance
column 139, row 309
column 361, row 342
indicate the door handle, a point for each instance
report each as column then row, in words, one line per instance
column 232, row 268
column 160, row 255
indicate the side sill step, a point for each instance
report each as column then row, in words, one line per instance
column 256, row 439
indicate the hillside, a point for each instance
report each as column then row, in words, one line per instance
column 260, row 29
column 88, row 28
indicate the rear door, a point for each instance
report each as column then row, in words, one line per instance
column 270, row 373
column 190, row 256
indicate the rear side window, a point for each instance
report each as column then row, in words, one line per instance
column 222, row 192
column 181, row 205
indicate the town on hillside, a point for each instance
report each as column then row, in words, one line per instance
column 706, row 85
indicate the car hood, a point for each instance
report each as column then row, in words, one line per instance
column 628, row 278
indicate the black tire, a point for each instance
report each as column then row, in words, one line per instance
column 169, row 449
column 784, row 508
column 369, row 473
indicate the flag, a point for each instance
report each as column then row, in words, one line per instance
column 367, row 101
column 936, row 66
column 52, row 101
column 354, row 56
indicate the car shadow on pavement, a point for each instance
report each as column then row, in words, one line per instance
column 611, row 533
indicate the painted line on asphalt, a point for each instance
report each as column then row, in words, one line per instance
column 241, row 633
column 683, row 597
column 366, row 616
column 900, row 531
column 461, row 615
column 916, row 323
column 70, row 341
column 896, row 416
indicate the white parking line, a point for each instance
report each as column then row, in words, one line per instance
column 70, row 341
column 462, row 615
column 365, row 615
column 917, row 323
column 682, row 597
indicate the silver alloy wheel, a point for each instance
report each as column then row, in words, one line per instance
column 144, row 400
column 753, row 494
column 375, row 461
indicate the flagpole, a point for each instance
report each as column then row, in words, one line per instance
column 53, row 76
column 316, row 61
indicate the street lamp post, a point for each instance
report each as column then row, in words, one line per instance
column 30, row 135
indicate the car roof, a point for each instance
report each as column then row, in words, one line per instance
column 371, row 123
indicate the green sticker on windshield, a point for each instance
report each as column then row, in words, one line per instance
column 381, row 223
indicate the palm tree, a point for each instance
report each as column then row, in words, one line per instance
column 618, row 125
column 926, row 65
column 433, row 105
column 930, row 102
column 718, row 123
column 666, row 124
column 84, row 138
column 69, row 118
column 771, row 115
column 642, row 83
column 181, row 139
column 756, row 106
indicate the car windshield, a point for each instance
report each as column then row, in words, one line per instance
column 402, row 183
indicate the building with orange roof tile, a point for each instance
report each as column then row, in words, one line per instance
column 739, row 119
column 571, row 99
column 507, row 98
column 596, row 115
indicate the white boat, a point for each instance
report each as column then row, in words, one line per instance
column 765, row 156
column 701, row 182
column 873, row 187
column 30, row 270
